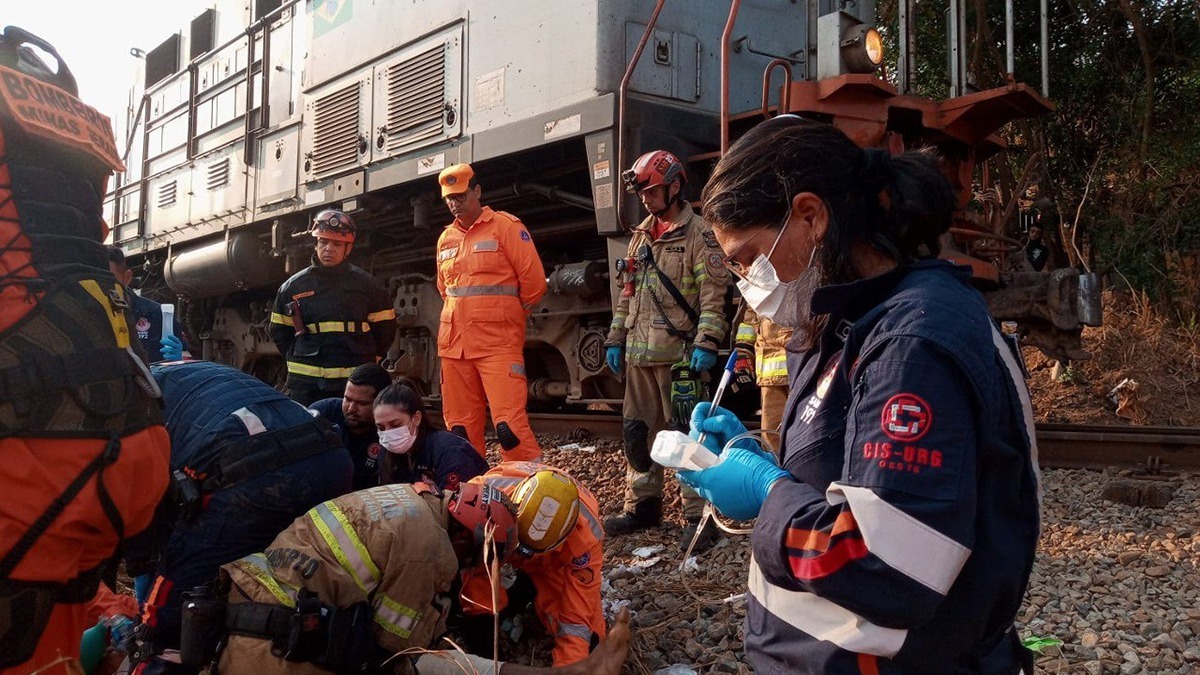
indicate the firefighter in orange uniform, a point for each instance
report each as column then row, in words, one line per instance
column 85, row 452
column 490, row 278
column 560, row 554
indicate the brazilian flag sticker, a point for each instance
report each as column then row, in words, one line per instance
column 329, row 14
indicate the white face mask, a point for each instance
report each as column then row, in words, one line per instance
column 398, row 441
column 786, row 304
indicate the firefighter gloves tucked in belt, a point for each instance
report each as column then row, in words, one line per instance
column 685, row 393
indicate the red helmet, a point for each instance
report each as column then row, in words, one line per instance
column 652, row 169
column 479, row 508
column 335, row 225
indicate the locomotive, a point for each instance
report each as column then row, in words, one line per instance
column 259, row 113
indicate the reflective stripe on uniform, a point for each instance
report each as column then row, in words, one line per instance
column 284, row 319
column 907, row 545
column 338, row 327
column 773, row 366
column 1018, row 380
column 345, row 545
column 317, row 371
column 824, row 619
column 382, row 315
column 471, row 291
column 253, row 424
column 575, row 630
column 395, row 618
column 256, row 565
column 745, row 333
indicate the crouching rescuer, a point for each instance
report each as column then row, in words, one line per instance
column 85, row 452
column 362, row 584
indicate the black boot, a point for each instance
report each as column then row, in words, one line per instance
column 708, row 536
column 645, row 515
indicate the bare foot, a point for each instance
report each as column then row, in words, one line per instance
column 609, row 655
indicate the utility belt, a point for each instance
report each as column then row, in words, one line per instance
column 337, row 639
column 239, row 460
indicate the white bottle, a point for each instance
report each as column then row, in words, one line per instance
column 168, row 320
column 678, row 451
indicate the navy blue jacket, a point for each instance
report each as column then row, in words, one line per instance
column 207, row 404
column 364, row 448
column 147, row 324
column 445, row 458
column 905, row 543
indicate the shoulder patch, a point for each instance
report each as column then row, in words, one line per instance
column 715, row 262
column 305, row 294
column 906, row 418
column 582, row 561
column 710, row 239
column 525, row 235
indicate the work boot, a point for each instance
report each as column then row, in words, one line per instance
column 645, row 515
column 708, row 536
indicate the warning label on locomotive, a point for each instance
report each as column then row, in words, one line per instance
column 44, row 110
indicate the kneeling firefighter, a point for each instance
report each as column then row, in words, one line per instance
column 357, row 580
column 246, row 460
column 85, row 453
column 558, row 560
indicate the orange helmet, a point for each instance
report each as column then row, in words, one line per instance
column 335, row 225
column 652, row 169
column 476, row 506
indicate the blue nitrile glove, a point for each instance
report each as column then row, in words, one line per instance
column 172, row 348
column 613, row 356
column 144, row 582
column 702, row 359
column 718, row 429
column 739, row 485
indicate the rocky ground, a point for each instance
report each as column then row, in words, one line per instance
column 1119, row 586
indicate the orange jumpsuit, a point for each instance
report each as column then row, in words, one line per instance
column 69, row 394
column 490, row 278
column 567, row 579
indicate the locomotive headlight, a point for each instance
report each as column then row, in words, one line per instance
column 862, row 49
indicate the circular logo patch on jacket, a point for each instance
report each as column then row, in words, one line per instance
column 906, row 418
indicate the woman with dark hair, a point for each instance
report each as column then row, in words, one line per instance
column 415, row 450
column 899, row 532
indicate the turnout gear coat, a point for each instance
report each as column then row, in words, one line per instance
column 348, row 319
column 689, row 256
column 767, row 341
column 490, row 277
column 905, row 542
column 387, row 546
column 567, row 579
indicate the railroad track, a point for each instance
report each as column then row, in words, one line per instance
column 1153, row 449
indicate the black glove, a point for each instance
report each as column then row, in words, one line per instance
column 685, row 394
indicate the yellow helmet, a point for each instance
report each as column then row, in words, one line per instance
column 547, row 507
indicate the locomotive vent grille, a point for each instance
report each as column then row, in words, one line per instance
column 218, row 174
column 335, row 130
column 167, row 193
column 416, row 98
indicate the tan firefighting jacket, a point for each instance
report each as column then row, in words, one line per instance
column 689, row 255
column 390, row 540
column 767, row 340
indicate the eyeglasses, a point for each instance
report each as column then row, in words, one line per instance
column 730, row 263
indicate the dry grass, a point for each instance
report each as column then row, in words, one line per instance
column 1136, row 343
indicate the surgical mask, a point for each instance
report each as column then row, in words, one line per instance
column 785, row 304
column 397, row 441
